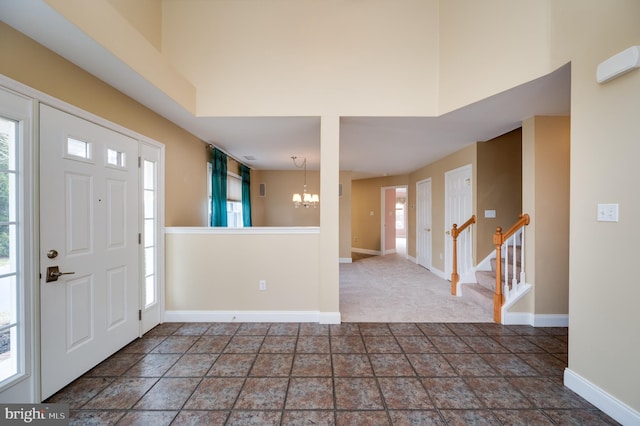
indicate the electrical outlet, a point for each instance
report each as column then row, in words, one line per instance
column 263, row 285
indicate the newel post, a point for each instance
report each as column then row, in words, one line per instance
column 454, row 264
column 498, row 298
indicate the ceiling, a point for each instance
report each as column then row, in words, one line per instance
column 369, row 146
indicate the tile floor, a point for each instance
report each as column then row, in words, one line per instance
column 348, row 374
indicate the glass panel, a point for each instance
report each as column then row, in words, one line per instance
column 149, row 258
column 8, row 337
column 150, row 290
column 7, row 249
column 8, row 300
column 8, row 130
column 78, row 148
column 149, row 175
column 8, row 353
column 4, row 197
column 149, row 204
column 149, row 234
column 115, row 158
column 10, row 286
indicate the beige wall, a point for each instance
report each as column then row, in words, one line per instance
column 365, row 210
column 103, row 22
column 499, row 187
column 292, row 57
column 145, row 16
column 193, row 283
column 546, row 165
column 487, row 47
column 603, row 294
column 277, row 209
column 31, row 64
column 436, row 172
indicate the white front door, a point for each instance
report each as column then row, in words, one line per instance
column 458, row 209
column 89, row 230
column 423, row 223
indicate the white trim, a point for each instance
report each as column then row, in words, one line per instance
column 439, row 273
column 249, row 230
column 366, row 251
column 253, row 316
column 412, row 259
column 517, row 318
column 612, row 406
column 540, row 320
column 551, row 320
column 345, row 260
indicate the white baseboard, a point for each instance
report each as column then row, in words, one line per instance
column 253, row 316
column 439, row 273
column 345, row 260
column 612, row 406
column 412, row 259
column 366, row 251
column 541, row 320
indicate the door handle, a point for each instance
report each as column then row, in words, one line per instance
column 53, row 272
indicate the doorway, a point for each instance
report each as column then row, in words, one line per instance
column 100, row 217
column 394, row 220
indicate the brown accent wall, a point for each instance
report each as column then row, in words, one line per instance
column 34, row 65
column 499, row 179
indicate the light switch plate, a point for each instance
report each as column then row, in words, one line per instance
column 490, row 214
column 607, row 212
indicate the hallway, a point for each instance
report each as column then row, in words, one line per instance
column 393, row 289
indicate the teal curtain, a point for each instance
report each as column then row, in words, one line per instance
column 219, row 188
column 245, row 172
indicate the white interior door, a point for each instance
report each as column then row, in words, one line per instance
column 388, row 242
column 89, row 230
column 423, row 223
column 458, row 209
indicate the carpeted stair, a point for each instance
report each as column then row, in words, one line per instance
column 481, row 292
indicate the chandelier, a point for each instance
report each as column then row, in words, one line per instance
column 305, row 199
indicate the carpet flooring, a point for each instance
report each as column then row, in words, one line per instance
column 393, row 289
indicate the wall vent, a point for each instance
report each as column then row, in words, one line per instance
column 263, row 190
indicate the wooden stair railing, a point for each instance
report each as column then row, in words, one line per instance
column 498, row 240
column 455, row 231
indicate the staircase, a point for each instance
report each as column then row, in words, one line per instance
column 481, row 292
column 504, row 266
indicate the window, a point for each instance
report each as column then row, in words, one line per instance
column 78, row 148
column 115, row 158
column 149, row 240
column 10, row 289
column 234, row 198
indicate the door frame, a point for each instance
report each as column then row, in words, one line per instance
column 32, row 173
column 429, row 257
column 383, row 199
column 448, row 244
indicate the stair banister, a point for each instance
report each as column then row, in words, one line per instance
column 498, row 240
column 455, row 231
